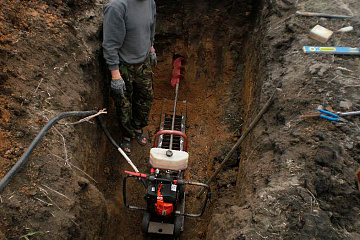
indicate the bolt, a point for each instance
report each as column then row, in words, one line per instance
column 169, row 153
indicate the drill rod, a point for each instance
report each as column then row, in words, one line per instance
column 173, row 117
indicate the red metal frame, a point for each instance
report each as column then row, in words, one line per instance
column 170, row 132
column 142, row 175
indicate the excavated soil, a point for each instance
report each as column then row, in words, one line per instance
column 293, row 178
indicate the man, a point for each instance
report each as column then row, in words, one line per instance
column 129, row 30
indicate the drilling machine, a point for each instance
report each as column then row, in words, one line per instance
column 165, row 184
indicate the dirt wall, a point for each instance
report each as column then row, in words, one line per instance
column 49, row 64
column 297, row 178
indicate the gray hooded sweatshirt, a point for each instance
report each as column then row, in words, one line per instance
column 129, row 30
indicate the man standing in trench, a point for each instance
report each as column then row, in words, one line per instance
column 129, row 30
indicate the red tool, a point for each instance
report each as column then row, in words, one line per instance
column 177, row 73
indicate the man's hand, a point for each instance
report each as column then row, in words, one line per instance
column 118, row 86
column 153, row 58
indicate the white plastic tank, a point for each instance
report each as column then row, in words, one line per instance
column 159, row 159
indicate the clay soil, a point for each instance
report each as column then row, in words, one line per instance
column 293, row 178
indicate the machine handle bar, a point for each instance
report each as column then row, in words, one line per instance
column 142, row 175
column 171, row 132
column 207, row 198
column 153, row 178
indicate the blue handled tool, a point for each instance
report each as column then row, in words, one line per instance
column 335, row 117
column 329, row 115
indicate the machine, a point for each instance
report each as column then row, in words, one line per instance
column 165, row 185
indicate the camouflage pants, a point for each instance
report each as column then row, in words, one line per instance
column 133, row 109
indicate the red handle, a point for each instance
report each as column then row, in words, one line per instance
column 142, row 175
column 170, row 132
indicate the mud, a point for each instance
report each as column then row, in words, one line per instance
column 294, row 178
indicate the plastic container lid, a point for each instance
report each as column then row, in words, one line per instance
column 159, row 159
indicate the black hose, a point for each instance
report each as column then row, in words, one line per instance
column 34, row 143
column 102, row 125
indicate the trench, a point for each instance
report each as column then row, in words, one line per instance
column 218, row 95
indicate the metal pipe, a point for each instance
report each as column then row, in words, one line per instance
column 204, row 188
column 7, row 178
column 314, row 14
column 169, row 132
column 125, row 196
column 173, row 118
column 348, row 113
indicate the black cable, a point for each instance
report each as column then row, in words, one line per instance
column 7, row 178
column 102, row 125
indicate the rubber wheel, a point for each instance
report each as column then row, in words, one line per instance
column 177, row 226
column 145, row 223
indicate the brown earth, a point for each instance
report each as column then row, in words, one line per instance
column 297, row 178
column 297, row 175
